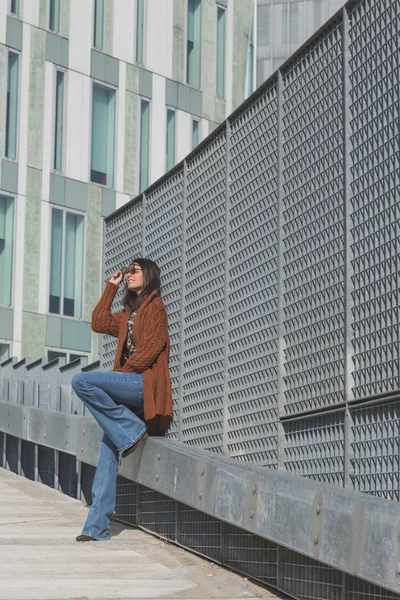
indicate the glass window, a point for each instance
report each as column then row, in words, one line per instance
column 66, row 263
column 170, row 162
column 12, row 106
column 54, row 19
column 6, row 248
column 139, row 30
column 59, row 117
column 98, row 30
column 14, row 8
column 220, row 52
column 294, row 23
column 193, row 43
column 103, row 135
column 263, row 24
column 4, row 352
column 144, row 145
column 195, row 133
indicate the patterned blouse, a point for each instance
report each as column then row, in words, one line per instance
column 130, row 344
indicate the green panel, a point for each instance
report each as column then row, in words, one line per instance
column 179, row 40
column 57, row 49
column 53, row 331
column 241, row 33
column 76, row 335
column 9, row 176
column 132, row 78
column 57, row 189
column 222, row 2
column 184, row 97
column 146, row 83
column 171, row 93
column 36, row 98
column 32, row 240
column 108, row 26
column 76, row 194
column 3, row 97
column 97, row 65
column 132, row 133
column 196, row 102
column 93, row 249
column 6, row 323
column 108, row 202
column 65, row 12
column 33, row 335
column 104, row 68
column 14, row 33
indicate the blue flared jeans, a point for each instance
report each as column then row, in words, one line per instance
column 100, row 392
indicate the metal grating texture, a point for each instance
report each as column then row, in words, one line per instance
column 199, row 532
column 27, row 459
column 123, row 241
column 314, row 447
column 12, row 453
column 375, row 141
column 204, row 298
column 46, row 465
column 313, row 229
column 253, row 283
column 163, row 243
column 157, row 513
column 376, row 449
column 126, row 501
column 357, row 589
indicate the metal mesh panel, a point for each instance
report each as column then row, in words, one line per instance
column 357, row 589
column 67, row 476
column 123, row 241
column 126, row 501
column 253, row 281
column 163, row 230
column 27, row 459
column 204, row 298
column 199, row 532
column 375, row 142
column 306, row 579
column 376, row 449
column 250, row 554
column 12, row 453
column 46, row 465
column 313, row 227
column 157, row 513
column 314, row 447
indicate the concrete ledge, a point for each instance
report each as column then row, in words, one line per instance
column 340, row 528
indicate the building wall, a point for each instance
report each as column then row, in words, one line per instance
column 27, row 326
column 283, row 26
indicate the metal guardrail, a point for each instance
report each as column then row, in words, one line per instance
column 336, row 527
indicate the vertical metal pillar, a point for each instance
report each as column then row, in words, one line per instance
column 3, row 452
column 348, row 287
column 19, row 456
column 225, row 424
column 36, row 463
column 56, row 465
column 182, row 329
column 78, row 466
column 281, row 287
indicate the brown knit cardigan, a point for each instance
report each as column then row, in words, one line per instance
column 150, row 333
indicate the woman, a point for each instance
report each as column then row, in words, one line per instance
column 138, row 385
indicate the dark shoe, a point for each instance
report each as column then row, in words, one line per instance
column 85, row 538
column 129, row 451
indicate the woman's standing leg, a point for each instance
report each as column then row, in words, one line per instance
column 104, row 488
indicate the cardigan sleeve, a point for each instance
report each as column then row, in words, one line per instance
column 152, row 342
column 103, row 320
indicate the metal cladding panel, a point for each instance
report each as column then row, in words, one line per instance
column 376, row 449
column 314, row 447
column 253, row 283
column 163, row 243
column 123, row 241
column 204, row 298
column 375, row 143
column 313, row 226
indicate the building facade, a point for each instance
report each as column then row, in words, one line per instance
column 283, row 26
column 98, row 98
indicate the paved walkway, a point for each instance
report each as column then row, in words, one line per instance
column 40, row 560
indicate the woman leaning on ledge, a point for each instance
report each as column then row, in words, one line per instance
column 135, row 399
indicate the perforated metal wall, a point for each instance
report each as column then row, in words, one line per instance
column 278, row 243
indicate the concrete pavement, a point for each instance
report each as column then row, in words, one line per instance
column 40, row 560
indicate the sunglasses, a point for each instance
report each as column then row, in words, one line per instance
column 132, row 269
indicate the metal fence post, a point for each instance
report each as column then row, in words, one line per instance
column 281, row 332
column 348, row 290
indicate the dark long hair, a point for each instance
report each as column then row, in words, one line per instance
column 151, row 282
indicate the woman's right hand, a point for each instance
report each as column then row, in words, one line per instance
column 116, row 278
